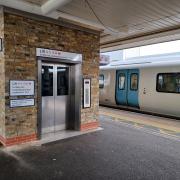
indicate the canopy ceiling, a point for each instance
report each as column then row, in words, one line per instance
column 120, row 21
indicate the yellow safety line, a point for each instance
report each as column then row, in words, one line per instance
column 166, row 133
column 143, row 122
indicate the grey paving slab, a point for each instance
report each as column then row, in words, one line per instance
column 119, row 152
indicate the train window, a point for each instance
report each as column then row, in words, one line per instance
column 101, row 81
column 121, row 81
column 134, row 82
column 168, row 82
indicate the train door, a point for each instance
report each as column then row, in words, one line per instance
column 121, row 87
column 127, row 87
column 132, row 91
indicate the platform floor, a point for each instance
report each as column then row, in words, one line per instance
column 163, row 125
column 119, row 152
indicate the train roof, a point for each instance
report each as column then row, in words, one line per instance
column 172, row 59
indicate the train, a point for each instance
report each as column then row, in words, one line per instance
column 147, row 84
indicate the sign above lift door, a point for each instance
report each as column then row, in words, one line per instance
column 49, row 53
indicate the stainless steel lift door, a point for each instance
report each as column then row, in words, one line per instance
column 55, row 90
column 61, row 96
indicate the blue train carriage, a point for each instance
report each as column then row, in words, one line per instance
column 150, row 84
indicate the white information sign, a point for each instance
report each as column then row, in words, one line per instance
column 21, row 102
column 41, row 52
column 87, row 93
column 21, row 88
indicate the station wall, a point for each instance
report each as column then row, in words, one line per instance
column 22, row 35
column 2, row 82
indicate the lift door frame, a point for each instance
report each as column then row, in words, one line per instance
column 75, row 91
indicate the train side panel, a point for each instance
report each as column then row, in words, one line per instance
column 153, row 101
column 107, row 94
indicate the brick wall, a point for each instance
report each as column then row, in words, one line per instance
column 2, row 81
column 22, row 37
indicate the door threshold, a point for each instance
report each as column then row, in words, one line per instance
column 63, row 134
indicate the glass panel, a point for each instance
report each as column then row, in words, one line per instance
column 134, row 82
column 121, row 81
column 168, row 82
column 62, row 81
column 101, row 81
column 47, row 81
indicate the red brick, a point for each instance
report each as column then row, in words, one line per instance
column 89, row 126
column 20, row 139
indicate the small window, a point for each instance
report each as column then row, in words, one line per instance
column 101, row 81
column 168, row 82
column 47, row 80
column 121, row 81
column 62, row 81
column 134, row 82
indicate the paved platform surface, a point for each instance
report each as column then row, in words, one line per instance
column 164, row 125
column 119, row 152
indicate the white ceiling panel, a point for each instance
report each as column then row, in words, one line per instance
column 38, row 2
column 120, row 19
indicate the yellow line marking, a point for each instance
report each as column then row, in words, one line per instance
column 166, row 133
column 142, row 121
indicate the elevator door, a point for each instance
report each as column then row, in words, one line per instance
column 55, row 90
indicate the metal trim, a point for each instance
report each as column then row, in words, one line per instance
column 50, row 53
column 74, row 92
column 39, row 102
column 55, row 60
column 78, row 82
